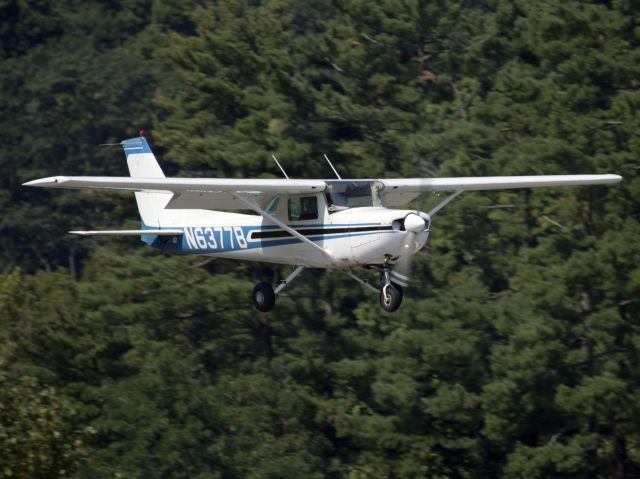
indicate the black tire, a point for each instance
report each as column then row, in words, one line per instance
column 400, row 290
column 393, row 297
column 264, row 299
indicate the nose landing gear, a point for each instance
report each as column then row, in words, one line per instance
column 390, row 297
column 390, row 293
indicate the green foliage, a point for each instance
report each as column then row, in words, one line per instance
column 39, row 432
column 515, row 353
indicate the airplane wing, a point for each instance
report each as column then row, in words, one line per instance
column 182, row 185
column 191, row 193
column 217, row 193
column 399, row 191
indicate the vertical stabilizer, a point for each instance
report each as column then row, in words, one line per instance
column 143, row 164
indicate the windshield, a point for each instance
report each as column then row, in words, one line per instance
column 348, row 194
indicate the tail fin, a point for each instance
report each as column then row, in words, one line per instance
column 143, row 164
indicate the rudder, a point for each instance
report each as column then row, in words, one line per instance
column 140, row 159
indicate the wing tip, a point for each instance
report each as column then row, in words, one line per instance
column 616, row 178
column 51, row 181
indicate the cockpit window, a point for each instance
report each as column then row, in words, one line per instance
column 342, row 195
column 303, row 208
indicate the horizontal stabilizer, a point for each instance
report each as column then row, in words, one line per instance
column 169, row 232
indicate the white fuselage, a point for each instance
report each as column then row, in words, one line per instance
column 354, row 236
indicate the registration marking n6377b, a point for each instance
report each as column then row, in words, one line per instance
column 214, row 237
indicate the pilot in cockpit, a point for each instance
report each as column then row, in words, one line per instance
column 308, row 208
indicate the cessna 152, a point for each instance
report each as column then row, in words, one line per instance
column 330, row 224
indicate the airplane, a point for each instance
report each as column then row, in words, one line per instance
column 333, row 224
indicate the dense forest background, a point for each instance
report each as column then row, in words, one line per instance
column 516, row 352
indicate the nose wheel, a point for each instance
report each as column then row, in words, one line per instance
column 390, row 297
column 390, row 293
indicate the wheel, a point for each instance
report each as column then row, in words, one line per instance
column 390, row 297
column 264, row 298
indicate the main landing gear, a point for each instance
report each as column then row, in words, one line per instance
column 264, row 296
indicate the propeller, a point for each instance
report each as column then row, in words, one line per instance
column 413, row 224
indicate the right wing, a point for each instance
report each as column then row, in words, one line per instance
column 191, row 193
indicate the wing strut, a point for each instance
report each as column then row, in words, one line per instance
column 444, row 202
column 285, row 227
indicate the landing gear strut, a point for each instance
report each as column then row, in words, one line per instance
column 264, row 296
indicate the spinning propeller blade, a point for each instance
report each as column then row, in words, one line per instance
column 414, row 223
column 401, row 272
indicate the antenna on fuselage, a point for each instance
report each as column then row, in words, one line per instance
column 334, row 170
column 280, row 166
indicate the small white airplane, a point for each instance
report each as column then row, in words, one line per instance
column 330, row 224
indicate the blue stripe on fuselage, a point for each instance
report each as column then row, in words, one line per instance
column 212, row 239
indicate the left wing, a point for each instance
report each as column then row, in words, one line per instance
column 402, row 190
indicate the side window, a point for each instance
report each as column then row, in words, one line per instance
column 303, row 208
column 272, row 207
